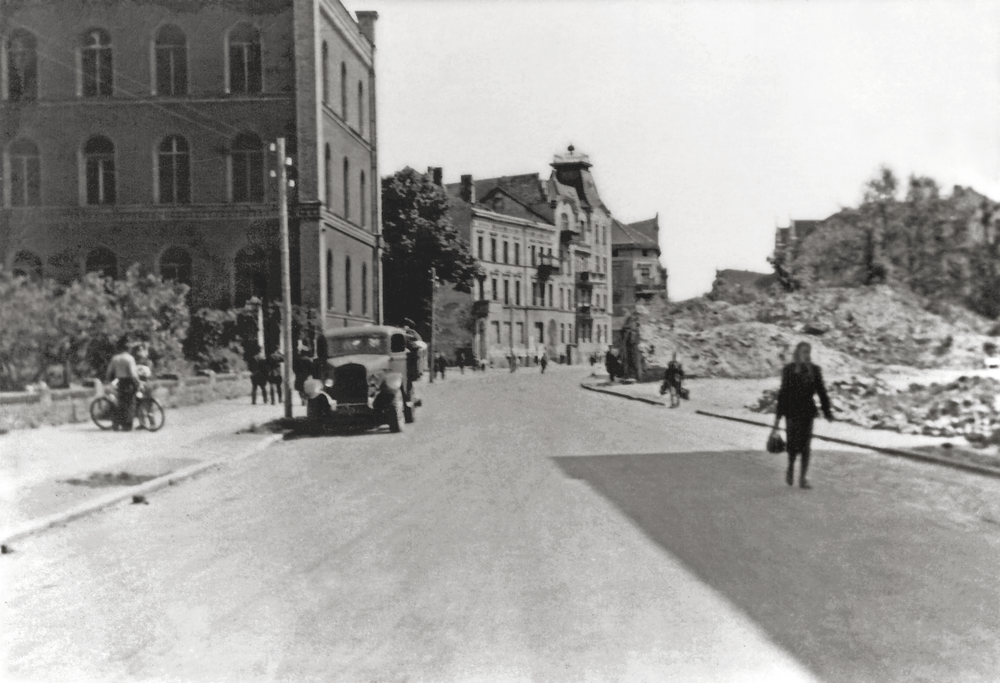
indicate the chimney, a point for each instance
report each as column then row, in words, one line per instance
column 468, row 192
column 366, row 22
column 434, row 174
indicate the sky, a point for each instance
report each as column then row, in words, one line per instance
column 726, row 118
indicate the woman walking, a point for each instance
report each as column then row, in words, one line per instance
column 800, row 379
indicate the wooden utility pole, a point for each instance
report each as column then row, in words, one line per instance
column 286, row 276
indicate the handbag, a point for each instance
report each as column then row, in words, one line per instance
column 775, row 444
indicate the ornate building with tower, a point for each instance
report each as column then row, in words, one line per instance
column 137, row 132
column 544, row 248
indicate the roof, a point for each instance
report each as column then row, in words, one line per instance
column 642, row 233
column 525, row 190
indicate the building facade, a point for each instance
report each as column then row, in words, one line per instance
column 136, row 134
column 544, row 248
column 637, row 273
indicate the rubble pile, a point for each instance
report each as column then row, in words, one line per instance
column 969, row 407
column 852, row 330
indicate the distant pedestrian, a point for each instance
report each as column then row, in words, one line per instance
column 800, row 380
column 543, row 362
column 673, row 376
column 611, row 364
column 275, row 380
column 258, row 377
column 460, row 360
column 440, row 364
column 125, row 373
column 513, row 363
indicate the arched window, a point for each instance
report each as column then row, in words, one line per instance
column 27, row 264
column 174, row 166
column 103, row 262
column 175, row 264
column 361, row 108
column 97, row 64
column 328, row 177
column 22, row 67
column 347, row 189
column 25, row 174
column 343, row 90
column 244, row 60
column 361, row 202
column 171, row 62
column 325, row 66
column 99, row 161
column 364, row 289
column 248, row 168
column 347, row 284
column 252, row 269
column 329, row 279
column 564, row 222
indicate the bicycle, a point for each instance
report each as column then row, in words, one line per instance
column 148, row 409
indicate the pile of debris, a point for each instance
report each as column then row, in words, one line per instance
column 969, row 407
column 852, row 330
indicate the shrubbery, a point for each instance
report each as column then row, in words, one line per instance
column 74, row 327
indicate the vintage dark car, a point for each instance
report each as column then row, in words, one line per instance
column 367, row 378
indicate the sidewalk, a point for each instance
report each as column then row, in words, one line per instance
column 35, row 464
column 731, row 396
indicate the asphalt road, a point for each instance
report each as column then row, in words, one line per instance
column 523, row 530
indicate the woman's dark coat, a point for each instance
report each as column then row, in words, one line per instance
column 795, row 398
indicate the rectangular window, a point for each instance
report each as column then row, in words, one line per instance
column 479, row 244
column 533, row 255
column 506, row 291
column 520, row 334
column 506, row 334
column 569, row 332
column 562, row 298
column 493, row 249
column 562, row 333
column 496, row 331
column 540, row 333
column 494, row 283
column 551, row 300
column 506, row 258
column 534, row 293
column 517, row 254
column 482, row 293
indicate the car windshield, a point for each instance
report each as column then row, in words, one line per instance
column 363, row 343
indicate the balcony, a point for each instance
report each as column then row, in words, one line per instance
column 587, row 278
column 548, row 266
column 649, row 288
column 584, row 311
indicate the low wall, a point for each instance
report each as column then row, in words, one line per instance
column 61, row 406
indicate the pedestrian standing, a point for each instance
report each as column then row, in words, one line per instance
column 258, row 377
column 124, row 370
column 543, row 362
column 673, row 376
column 611, row 363
column 800, row 380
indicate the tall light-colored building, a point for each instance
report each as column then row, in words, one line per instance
column 136, row 132
column 544, row 247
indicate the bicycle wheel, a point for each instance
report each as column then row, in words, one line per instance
column 155, row 416
column 102, row 412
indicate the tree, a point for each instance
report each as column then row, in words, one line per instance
column 419, row 236
column 877, row 210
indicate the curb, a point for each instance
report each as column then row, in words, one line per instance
column 985, row 470
column 37, row 525
column 611, row 392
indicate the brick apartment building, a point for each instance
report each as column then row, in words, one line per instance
column 637, row 274
column 132, row 133
column 544, row 246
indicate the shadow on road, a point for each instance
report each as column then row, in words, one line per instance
column 855, row 586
